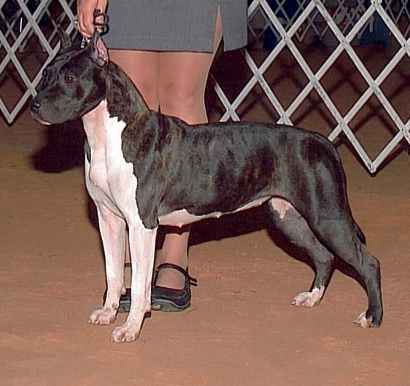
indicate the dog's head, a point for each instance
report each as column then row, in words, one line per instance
column 73, row 83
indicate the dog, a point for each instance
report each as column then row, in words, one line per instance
column 144, row 169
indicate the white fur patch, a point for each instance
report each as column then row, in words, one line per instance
column 281, row 206
column 362, row 321
column 109, row 178
column 112, row 184
column 309, row 299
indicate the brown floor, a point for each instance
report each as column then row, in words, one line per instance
column 241, row 329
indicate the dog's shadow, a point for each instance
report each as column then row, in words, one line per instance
column 63, row 150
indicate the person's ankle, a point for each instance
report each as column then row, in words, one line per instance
column 170, row 278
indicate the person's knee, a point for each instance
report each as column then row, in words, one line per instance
column 179, row 99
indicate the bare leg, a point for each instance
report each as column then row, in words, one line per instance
column 182, row 83
column 143, row 69
column 175, row 82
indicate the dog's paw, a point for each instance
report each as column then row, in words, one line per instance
column 125, row 334
column 102, row 316
column 309, row 299
column 363, row 322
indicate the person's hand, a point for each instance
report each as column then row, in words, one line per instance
column 85, row 15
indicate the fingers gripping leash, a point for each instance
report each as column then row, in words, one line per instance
column 100, row 22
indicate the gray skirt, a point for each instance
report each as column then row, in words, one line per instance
column 175, row 25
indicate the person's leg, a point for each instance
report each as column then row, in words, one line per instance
column 175, row 81
column 182, row 97
column 182, row 82
column 143, row 69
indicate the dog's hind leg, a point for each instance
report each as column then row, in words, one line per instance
column 295, row 228
column 344, row 238
column 113, row 234
column 142, row 247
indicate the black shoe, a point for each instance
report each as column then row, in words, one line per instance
column 125, row 301
column 163, row 298
column 171, row 299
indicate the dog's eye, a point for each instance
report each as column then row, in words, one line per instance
column 69, row 78
column 44, row 73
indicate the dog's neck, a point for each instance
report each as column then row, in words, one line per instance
column 123, row 99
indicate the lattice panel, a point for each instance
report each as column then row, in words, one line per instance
column 28, row 41
column 349, row 21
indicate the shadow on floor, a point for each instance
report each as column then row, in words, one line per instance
column 64, row 148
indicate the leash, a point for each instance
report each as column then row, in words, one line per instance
column 100, row 21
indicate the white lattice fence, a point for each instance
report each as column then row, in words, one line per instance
column 347, row 23
column 28, row 42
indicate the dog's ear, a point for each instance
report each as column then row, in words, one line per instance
column 99, row 52
column 65, row 40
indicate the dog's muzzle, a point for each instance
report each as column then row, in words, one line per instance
column 35, row 111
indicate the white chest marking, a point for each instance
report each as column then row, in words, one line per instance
column 110, row 180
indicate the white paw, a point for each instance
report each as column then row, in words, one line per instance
column 363, row 322
column 102, row 316
column 125, row 334
column 309, row 299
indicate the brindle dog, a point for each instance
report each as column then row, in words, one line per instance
column 144, row 169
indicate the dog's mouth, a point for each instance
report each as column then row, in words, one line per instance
column 37, row 117
column 44, row 122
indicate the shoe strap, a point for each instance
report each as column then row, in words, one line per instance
column 190, row 279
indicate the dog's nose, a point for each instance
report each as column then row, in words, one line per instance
column 35, row 105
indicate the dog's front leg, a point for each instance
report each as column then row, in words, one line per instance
column 113, row 234
column 142, row 246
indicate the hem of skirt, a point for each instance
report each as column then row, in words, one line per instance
column 155, row 43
